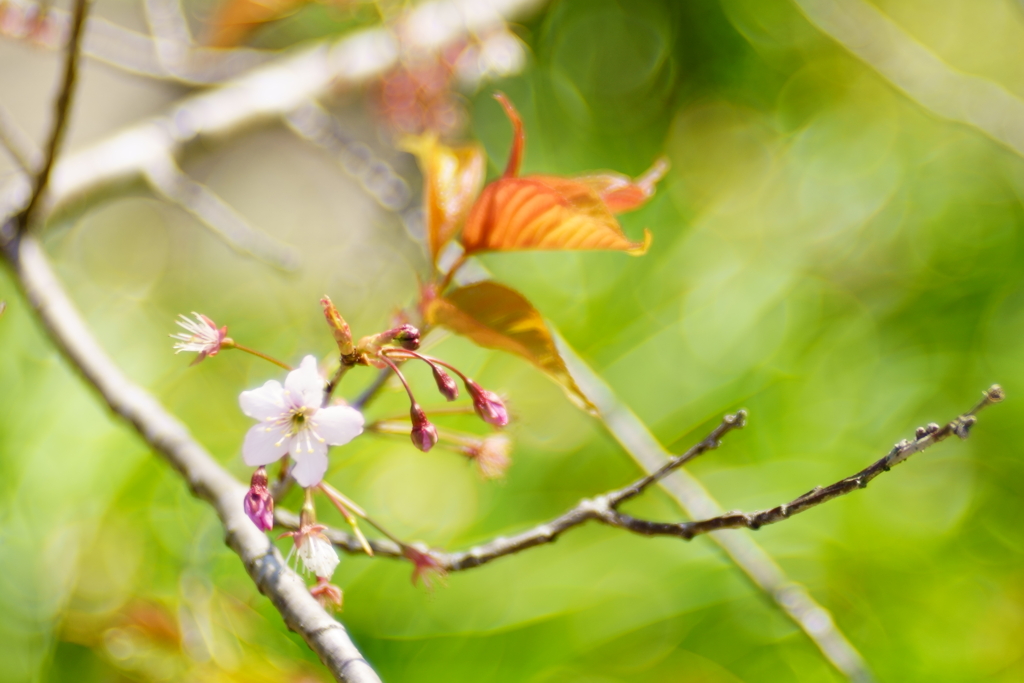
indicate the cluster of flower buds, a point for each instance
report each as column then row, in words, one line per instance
column 400, row 344
column 488, row 405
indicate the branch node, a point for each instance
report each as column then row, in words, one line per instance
column 962, row 425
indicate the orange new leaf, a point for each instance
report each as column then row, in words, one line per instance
column 497, row 317
column 544, row 212
column 452, row 178
column 549, row 212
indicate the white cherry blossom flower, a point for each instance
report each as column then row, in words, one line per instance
column 318, row 555
column 292, row 422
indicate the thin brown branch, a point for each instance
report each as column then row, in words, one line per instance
column 61, row 110
column 592, row 508
column 925, row 437
column 604, row 508
column 172, row 440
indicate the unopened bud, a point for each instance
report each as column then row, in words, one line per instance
column 445, row 384
column 339, row 328
column 487, row 405
column 424, row 434
column 407, row 336
column 258, row 504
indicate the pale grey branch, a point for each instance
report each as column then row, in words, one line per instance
column 865, row 31
column 264, row 94
column 314, row 124
column 162, row 58
column 171, row 439
column 18, row 144
column 199, row 200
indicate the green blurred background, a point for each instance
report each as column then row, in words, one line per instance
column 826, row 254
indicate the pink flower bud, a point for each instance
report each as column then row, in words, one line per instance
column 487, row 405
column 424, row 434
column 445, row 384
column 258, row 503
column 407, row 336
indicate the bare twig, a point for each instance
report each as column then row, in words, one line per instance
column 604, row 508
column 62, row 109
column 865, row 31
column 207, row 480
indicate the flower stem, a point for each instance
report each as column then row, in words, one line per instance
column 447, row 279
column 264, row 356
column 337, row 497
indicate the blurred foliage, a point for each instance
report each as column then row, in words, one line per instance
column 826, row 254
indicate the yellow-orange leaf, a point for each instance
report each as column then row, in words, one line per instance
column 235, row 19
column 544, row 212
column 453, row 176
column 497, row 317
column 620, row 194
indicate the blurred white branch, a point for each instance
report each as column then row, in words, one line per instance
column 865, row 31
column 162, row 57
column 792, row 598
column 317, row 126
column 267, row 93
column 18, row 144
column 199, row 200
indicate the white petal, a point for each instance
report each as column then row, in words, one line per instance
column 318, row 556
column 338, row 424
column 309, row 467
column 264, row 443
column 305, row 384
column 264, row 403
